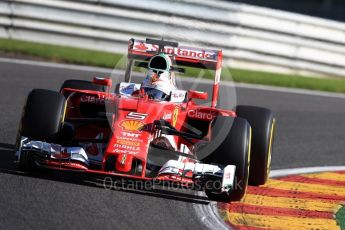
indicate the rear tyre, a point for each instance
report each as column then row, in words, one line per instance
column 231, row 138
column 82, row 85
column 262, row 122
column 42, row 119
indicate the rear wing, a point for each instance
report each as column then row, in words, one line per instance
column 183, row 55
column 143, row 50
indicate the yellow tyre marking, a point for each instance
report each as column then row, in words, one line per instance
column 269, row 154
column 281, row 222
column 64, row 113
column 305, row 187
column 327, row 176
column 249, row 146
column 293, row 203
column 248, row 154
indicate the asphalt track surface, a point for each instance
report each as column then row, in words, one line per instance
column 310, row 132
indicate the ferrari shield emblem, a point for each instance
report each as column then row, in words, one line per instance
column 175, row 115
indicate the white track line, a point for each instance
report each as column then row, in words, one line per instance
column 290, row 90
column 305, row 170
column 186, row 79
column 209, row 216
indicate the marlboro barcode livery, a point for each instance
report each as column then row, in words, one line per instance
column 149, row 130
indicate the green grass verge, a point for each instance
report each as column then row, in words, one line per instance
column 340, row 217
column 60, row 54
column 105, row 59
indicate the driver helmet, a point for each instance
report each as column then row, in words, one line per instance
column 158, row 83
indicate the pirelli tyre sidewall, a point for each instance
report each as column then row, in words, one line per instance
column 232, row 140
column 262, row 121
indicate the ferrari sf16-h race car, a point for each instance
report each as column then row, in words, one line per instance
column 88, row 126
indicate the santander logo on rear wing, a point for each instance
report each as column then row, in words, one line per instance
column 187, row 54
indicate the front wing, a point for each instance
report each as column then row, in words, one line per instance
column 54, row 156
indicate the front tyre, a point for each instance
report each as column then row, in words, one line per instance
column 262, row 122
column 231, row 138
column 42, row 119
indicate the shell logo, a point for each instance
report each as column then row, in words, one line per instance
column 130, row 125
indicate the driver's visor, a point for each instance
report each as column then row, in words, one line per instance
column 158, row 64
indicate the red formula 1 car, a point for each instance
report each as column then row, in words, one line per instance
column 86, row 127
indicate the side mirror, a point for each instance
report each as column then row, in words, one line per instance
column 197, row 95
column 102, row 81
